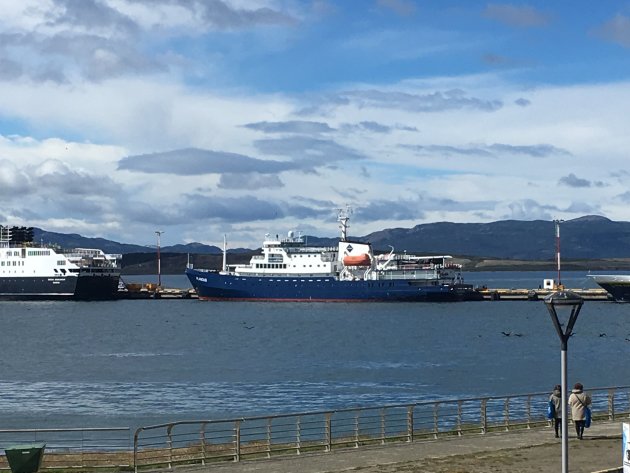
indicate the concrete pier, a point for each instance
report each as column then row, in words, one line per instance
column 539, row 294
column 146, row 291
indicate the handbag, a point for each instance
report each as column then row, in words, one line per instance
column 587, row 413
column 551, row 410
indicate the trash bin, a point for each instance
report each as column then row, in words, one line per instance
column 25, row 458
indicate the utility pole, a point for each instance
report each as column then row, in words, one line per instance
column 558, row 222
column 159, row 271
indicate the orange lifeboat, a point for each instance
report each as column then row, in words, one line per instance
column 359, row 260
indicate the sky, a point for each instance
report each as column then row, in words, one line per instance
column 199, row 118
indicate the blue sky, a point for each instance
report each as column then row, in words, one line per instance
column 205, row 117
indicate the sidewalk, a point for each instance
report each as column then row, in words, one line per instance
column 523, row 451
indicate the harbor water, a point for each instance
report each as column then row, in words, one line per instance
column 138, row 362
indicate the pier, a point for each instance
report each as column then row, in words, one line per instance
column 539, row 294
column 153, row 291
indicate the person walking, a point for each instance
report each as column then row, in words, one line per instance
column 578, row 402
column 556, row 400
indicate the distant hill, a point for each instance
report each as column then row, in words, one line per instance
column 589, row 237
column 586, row 237
column 74, row 240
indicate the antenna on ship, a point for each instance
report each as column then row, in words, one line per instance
column 224, row 253
column 343, row 215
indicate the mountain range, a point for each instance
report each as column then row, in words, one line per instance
column 588, row 237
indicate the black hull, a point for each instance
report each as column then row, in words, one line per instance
column 83, row 287
column 620, row 292
column 95, row 287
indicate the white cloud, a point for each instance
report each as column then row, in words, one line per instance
column 91, row 82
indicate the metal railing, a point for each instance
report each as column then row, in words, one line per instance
column 213, row 441
column 208, row 442
column 90, row 448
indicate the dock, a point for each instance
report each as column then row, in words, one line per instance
column 539, row 294
column 153, row 291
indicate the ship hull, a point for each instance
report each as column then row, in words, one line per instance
column 216, row 286
column 618, row 286
column 102, row 287
column 95, row 285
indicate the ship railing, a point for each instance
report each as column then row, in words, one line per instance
column 208, row 442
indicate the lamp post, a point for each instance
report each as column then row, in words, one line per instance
column 158, row 233
column 568, row 303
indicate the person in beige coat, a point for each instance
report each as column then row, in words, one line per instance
column 556, row 398
column 578, row 402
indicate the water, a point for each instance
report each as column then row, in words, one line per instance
column 139, row 362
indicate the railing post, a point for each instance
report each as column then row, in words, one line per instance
column 529, row 411
column 237, row 441
column 506, row 413
column 297, row 434
column 484, row 416
column 436, row 426
column 269, row 437
column 383, row 426
column 459, row 417
column 202, row 434
column 169, row 434
column 135, row 449
column 410, row 423
column 328, row 432
column 356, row 429
column 611, row 404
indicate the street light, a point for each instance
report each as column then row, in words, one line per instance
column 568, row 303
column 158, row 233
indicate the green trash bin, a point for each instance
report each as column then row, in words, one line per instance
column 25, row 458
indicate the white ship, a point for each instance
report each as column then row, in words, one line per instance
column 39, row 272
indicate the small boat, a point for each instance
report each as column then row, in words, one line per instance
column 290, row 270
column 358, row 260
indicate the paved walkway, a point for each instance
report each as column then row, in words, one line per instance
column 534, row 450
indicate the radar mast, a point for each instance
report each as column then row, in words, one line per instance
column 343, row 215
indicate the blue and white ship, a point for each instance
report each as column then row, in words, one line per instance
column 28, row 271
column 290, row 270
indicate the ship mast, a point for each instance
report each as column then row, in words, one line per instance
column 343, row 215
column 224, row 253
